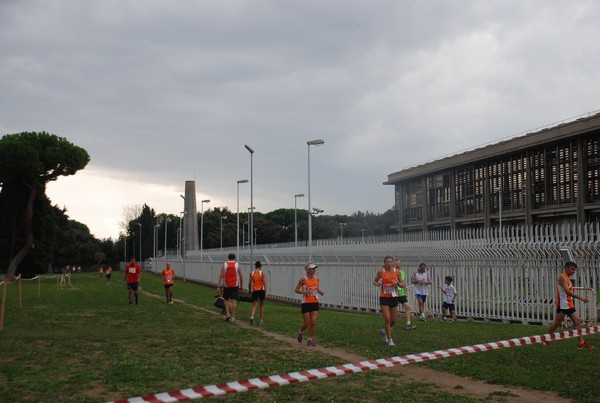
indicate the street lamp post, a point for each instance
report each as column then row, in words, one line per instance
column 154, row 241
column 251, row 220
column 499, row 190
column 125, row 247
column 296, row 218
column 181, row 237
column 165, row 251
column 182, row 234
column 222, row 218
column 342, row 225
column 202, row 226
column 311, row 143
column 178, row 237
column 238, row 216
column 244, row 234
column 315, row 211
column 249, row 241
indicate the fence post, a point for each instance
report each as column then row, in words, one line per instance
column 20, row 293
column 3, row 304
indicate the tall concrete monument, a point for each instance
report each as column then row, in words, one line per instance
column 190, row 221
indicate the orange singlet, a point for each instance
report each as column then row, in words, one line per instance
column 311, row 285
column 167, row 276
column 231, row 274
column 258, row 280
column 564, row 301
column 388, row 289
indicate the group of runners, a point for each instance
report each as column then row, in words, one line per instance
column 392, row 281
column 231, row 283
column 390, row 278
column 108, row 272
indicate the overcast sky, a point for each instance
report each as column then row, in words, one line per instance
column 161, row 91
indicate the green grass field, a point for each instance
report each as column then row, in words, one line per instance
column 85, row 344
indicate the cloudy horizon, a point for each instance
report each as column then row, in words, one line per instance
column 162, row 92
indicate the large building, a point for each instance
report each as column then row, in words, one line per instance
column 548, row 176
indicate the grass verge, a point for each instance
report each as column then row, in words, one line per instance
column 86, row 344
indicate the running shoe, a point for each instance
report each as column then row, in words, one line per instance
column 583, row 344
column 227, row 318
column 382, row 335
column 311, row 343
column 262, row 322
column 410, row 326
column 252, row 321
column 300, row 337
column 391, row 343
column 422, row 318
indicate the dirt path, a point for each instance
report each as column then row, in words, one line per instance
column 411, row 373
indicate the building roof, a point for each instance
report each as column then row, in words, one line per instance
column 560, row 131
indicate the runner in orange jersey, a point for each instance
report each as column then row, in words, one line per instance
column 564, row 303
column 257, row 284
column 308, row 286
column 389, row 280
column 168, row 276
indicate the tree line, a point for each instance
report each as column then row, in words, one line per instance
column 273, row 227
column 39, row 237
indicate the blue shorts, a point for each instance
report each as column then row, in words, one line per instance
column 133, row 286
column 421, row 297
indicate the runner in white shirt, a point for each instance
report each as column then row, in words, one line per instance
column 421, row 279
column 450, row 294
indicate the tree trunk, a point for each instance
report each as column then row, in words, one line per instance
column 24, row 251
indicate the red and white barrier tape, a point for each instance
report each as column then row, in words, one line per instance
column 330, row 372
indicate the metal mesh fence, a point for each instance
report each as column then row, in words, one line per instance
column 508, row 277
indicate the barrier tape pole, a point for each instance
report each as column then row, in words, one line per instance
column 329, row 372
column 20, row 292
column 4, row 284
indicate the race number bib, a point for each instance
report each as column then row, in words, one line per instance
column 390, row 289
